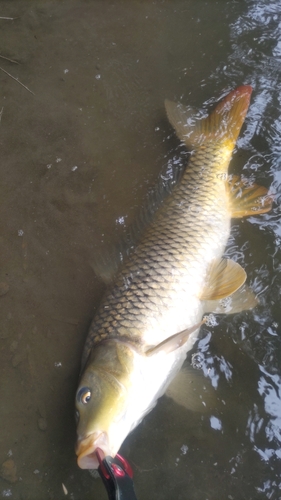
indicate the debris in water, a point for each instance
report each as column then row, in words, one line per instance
column 8, row 471
column 7, row 59
column 14, row 346
column 4, row 288
column 42, row 420
column 42, row 423
column 16, row 79
column 70, row 321
column 17, row 359
column 64, row 489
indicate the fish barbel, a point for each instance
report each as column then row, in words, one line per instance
column 150, row 317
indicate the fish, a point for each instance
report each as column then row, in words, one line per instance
column 150, row 316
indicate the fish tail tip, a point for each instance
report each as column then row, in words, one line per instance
column 234, row 108
column 244, row 89
column 242, row 92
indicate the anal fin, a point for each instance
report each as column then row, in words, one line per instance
column 224, row 278
column 241, row 300
column 247, row 199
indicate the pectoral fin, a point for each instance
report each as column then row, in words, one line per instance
column 247, row 199
column 224, row 278
column 174, row 342
column 241, row 300
column 192, row 390
column 105, row 266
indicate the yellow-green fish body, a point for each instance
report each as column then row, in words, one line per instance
column 150, row 317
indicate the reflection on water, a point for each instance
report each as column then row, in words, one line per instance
column 77, row 161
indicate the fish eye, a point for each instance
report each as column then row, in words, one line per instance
column 84, row 395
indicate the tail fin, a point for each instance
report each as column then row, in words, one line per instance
column 224, row 122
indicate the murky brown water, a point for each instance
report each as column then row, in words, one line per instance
column 77, row 159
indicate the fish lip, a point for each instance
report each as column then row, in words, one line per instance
column 86, row 450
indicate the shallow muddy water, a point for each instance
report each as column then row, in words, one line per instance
column 78, row 158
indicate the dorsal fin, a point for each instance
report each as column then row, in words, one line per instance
column 224, row 122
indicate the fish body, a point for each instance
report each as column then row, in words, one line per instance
column 149, row 318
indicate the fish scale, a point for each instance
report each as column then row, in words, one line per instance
column 171, row 253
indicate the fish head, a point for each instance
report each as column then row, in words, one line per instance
column 102, row 401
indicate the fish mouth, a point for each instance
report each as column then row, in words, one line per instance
column 86, row 450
